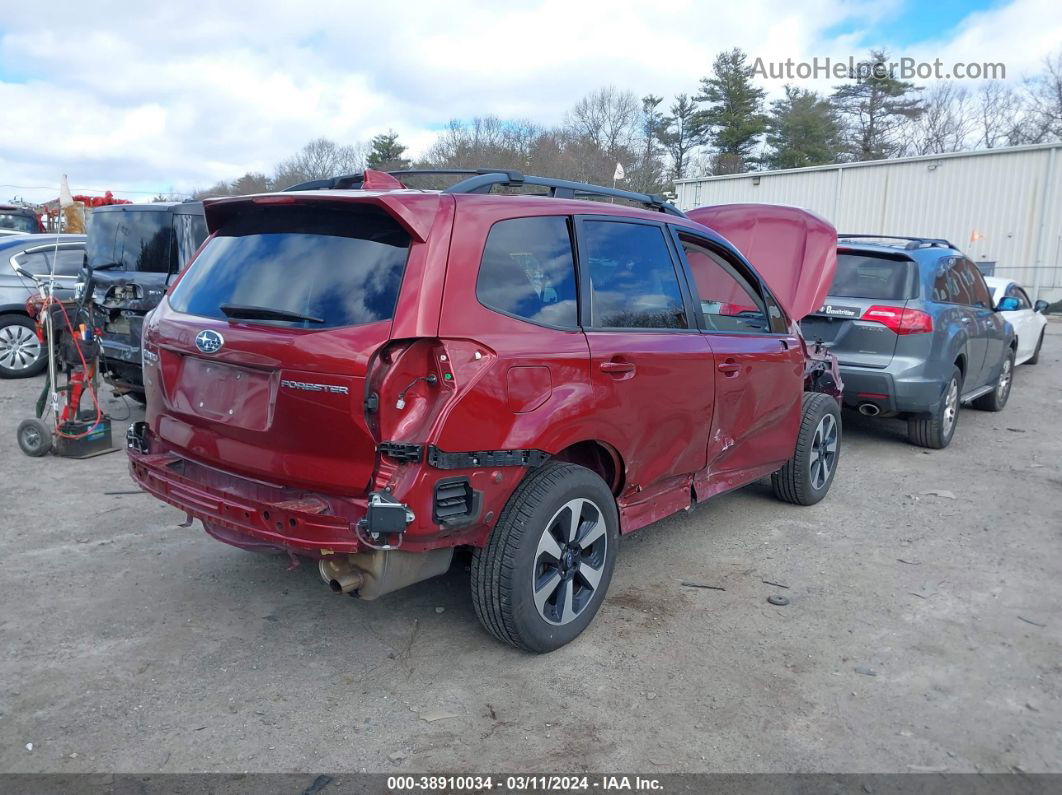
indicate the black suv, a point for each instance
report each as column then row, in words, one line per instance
column 133, row 252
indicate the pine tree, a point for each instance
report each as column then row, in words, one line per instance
column 386, row 153
column 802, row 131
column 679, row 135
column 874, row 108
column 733, row 118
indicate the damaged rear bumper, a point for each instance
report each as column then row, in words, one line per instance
column 247, row 513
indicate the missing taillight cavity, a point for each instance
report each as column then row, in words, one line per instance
column 900, row 320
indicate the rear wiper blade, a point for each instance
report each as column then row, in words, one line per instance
column 240, row 311
column 106, row 266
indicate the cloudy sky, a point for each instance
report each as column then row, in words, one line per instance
column 142, row 98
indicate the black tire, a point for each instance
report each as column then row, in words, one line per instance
column 505, row 570
column 818, row 450
column 1035, row 358
column 16, row 343
column 34, row 438
column 933, row 430
column 996, row 400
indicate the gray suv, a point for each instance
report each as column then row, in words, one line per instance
column 912, row 324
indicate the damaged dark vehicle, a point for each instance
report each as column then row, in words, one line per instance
column 133, row 253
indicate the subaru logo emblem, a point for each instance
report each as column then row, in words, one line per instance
column 209, row 341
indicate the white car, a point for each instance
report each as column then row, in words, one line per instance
column 1026, row 317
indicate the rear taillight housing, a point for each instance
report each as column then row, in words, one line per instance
column 900, row 320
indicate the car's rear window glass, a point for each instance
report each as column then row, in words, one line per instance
column 189, row 232
column 130, row 240
column 632, row 277
column 867, row 276
column 341, row 266
column 528, row 271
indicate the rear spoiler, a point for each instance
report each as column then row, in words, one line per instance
column 794, row 250
column 415, row 212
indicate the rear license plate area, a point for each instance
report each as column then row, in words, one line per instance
column 237, row 396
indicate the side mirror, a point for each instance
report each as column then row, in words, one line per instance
column 1008, row 303
column 1041, row 306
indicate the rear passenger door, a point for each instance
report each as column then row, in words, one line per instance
column 759, row 364
column 652, row 372
column 952, row 287
column 987, row 328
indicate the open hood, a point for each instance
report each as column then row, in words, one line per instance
column 795, row 251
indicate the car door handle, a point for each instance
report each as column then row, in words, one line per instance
column 617, row 368
column 730, row 368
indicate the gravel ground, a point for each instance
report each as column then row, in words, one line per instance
column 923, row 630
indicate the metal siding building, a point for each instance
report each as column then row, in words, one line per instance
column 1009, row 199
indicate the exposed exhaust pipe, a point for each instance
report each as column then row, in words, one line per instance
column 340, row 576
column 869, row 409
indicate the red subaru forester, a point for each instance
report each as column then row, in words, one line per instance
column 370, row 376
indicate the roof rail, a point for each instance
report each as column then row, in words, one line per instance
column 912, row 242
column 481, row 180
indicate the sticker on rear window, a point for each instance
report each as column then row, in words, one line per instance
column 835, row 310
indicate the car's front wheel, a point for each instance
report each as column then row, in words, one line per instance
column 21, row 353
column 543, row 574
column 935, row 429
column 806, row 477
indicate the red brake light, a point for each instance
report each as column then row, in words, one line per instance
column 900, row 320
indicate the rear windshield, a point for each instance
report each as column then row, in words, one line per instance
column 130, row 240
column 337, row 265
column 869, row 276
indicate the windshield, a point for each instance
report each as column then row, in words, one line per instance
column 870, row 276
column 20, row 222
column 326, row 266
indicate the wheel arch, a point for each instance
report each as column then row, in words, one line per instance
column 960, row 362
column 597, row 456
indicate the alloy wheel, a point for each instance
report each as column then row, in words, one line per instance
column 569, row 561
column 951, row 406
column 1003, row 387
column 19, row 347
column 823, row 451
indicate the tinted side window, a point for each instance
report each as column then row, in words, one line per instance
column 528, row 270
column 949, row 286
column 632, row 276
column 68, row 262
column 36, row 263
column 189, row 232
column 728, row 302
column 975, row 283
column 1021, row 295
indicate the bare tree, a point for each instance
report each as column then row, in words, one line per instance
column 608, row 118
column 999, row 116
column 1044, row 96
column 947, row 122
column 319, row 159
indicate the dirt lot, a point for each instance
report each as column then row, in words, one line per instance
column 923, row 630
